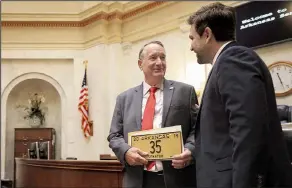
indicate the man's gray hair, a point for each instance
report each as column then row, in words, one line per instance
column 141, row 53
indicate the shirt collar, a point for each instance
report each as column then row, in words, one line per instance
column 146, row 87
column 219, row 51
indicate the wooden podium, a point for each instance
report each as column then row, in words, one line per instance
column 37, row 173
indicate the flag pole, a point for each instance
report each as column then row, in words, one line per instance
column 89, row 121
column 85, row 63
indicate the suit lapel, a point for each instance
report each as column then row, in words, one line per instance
column 202, row 100
column 207, row 83
column 138, row 97
column 167, row 96
column 233, row 43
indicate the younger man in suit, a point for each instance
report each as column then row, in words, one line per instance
column 156, row 103
column 239, row 140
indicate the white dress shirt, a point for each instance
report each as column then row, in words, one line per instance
column 157, row 121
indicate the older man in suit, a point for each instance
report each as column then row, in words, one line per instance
column 156, row 103
column 239, row 140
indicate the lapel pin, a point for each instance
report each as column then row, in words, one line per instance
column 171, row 88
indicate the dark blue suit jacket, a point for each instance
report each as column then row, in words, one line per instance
column 239, row 140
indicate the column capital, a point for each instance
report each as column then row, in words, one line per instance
column 126, row 47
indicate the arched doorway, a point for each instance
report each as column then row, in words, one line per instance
column 17, row 92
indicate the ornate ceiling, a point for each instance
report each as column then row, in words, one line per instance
column 83, row 24
column 71, row 14
column 60, row 7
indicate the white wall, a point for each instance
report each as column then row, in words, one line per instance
column 111, row 70
column 279, row 52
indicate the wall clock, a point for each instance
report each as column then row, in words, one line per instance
column 281, row 73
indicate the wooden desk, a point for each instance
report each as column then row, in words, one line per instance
column 34, row 173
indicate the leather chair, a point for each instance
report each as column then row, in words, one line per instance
column 285, row 113
column 33, row 150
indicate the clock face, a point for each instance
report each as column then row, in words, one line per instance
column 282, row 78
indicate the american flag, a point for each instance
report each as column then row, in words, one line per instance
column 83, row 106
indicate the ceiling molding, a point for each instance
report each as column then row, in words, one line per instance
column 10, row 20
column 142, row 22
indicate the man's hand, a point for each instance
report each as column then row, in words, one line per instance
column 135, row 157
column 182, row 160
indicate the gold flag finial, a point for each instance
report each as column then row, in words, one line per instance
column 85, row 63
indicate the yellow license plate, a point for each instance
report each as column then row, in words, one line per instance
column 159, row 144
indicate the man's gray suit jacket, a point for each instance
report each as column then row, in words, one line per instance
column 179, row 108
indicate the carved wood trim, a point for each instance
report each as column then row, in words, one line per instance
column 72, row 164
column 142, row 9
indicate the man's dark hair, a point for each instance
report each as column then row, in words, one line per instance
column 152, row 42
column 218, row 17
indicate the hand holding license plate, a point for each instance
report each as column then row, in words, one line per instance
column 160, row 144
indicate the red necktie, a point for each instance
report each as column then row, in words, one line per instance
column 148, row 117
